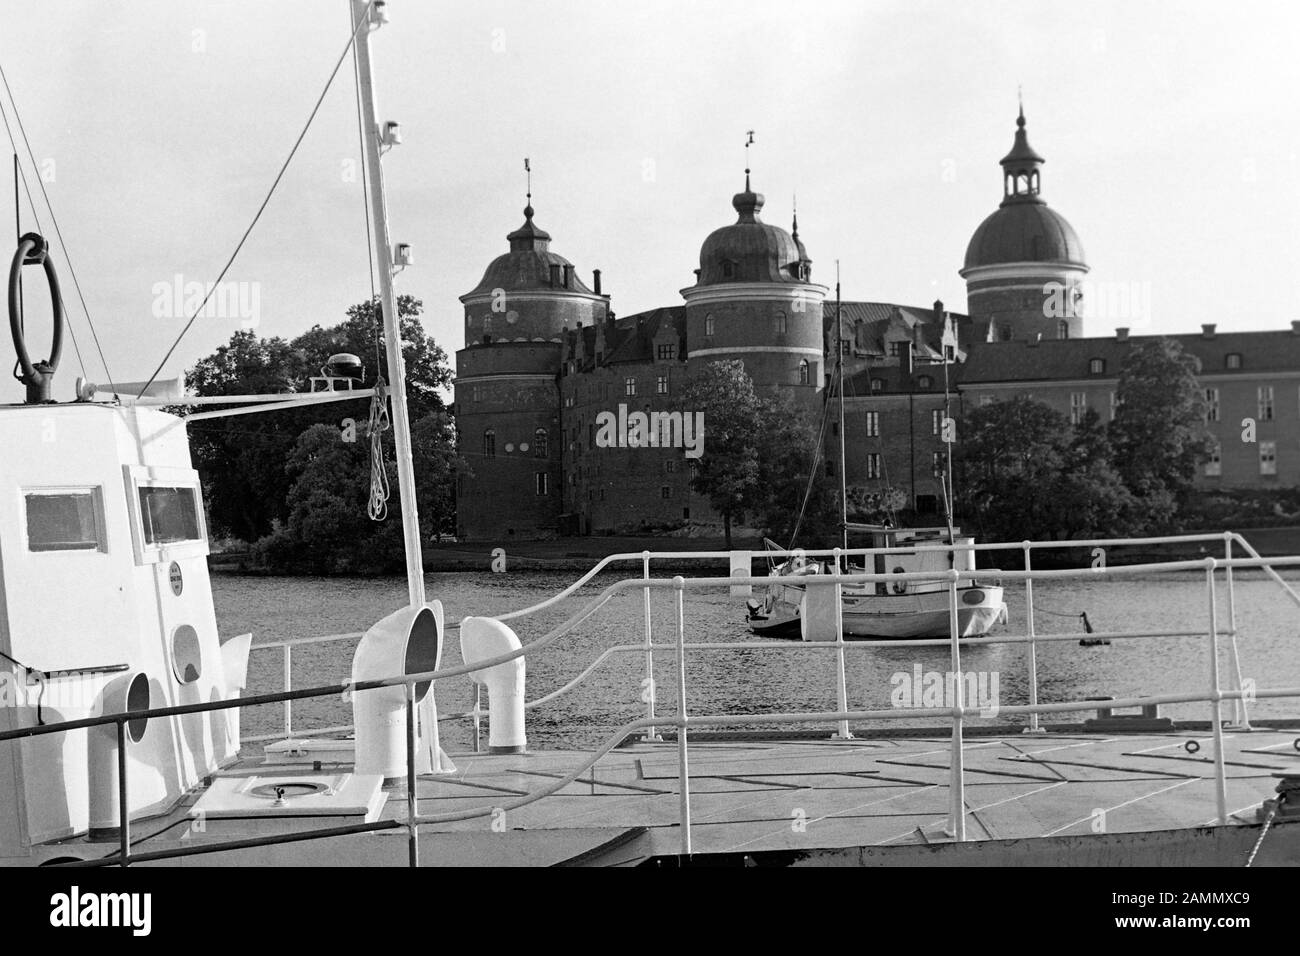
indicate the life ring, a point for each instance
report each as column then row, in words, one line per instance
column 899, row 587
column 38, row 376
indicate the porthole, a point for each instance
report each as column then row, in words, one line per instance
column 187, row 656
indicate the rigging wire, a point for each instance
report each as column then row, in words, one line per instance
column 363, row 20
column 22, row 175
column 67, row 257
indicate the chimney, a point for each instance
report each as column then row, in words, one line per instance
column 1207, row 330
column 595, row 279
column 905, row 360
column 555, row 274
column 1295, row 326
column 568, row 276
column 938, row 309
column 1121, row 334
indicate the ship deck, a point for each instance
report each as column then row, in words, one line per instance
column 886, row 798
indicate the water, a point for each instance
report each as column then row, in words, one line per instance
column 749, row 681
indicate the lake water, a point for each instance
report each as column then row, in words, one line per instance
column 749, row 681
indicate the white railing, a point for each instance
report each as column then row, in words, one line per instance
column 648, row 648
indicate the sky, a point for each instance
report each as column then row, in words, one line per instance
column 1169, row 129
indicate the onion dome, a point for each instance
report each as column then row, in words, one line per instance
column 750, row 250
column 1023, row 228
column 528, row 264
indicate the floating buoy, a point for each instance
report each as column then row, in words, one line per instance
column 1090, row 641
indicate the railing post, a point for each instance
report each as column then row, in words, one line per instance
column 412, row 806
column 288, row 686
column 123, row 807
column 478, row 716
column 683, row 763
column 842, row 679
column 1240, row 707
column 1033, row 727
column 649, row 690
column 957, row 769
column 1216, row 717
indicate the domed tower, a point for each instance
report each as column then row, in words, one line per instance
column 1024, row 264
column 754, row 300
column 507, row 394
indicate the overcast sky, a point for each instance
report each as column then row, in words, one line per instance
column 1170, row 132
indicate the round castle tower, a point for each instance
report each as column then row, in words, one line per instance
column 1024, row 264
column 507, row 398
column 754, row 300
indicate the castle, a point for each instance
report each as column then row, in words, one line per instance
column 546, row 361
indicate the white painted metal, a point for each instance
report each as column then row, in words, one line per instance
column 482, row 638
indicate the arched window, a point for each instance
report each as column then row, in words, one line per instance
column 541, row 443
column 1062, row 329
column 804, row 372
column 708, row 324
column 489, row 443
column 923, row 382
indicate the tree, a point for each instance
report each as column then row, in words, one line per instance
column 728, row 471
column 1028, row 474
column 795, row 496
column 1159, row 430
column 328, row 529
column 242, row 459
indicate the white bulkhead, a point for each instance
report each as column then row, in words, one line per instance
column 103, row 574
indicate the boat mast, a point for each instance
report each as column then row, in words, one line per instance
column 947, row 444
column 376, row 15
column 839, row 378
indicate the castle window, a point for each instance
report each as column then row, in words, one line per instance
column 805, row 373
column 873, row 424
column 728, row 270
column 779, row 323
column 489, row 443
column 1214, row 463
column 541, row 443
column 1211, row 404
column 629, row 386
column 877, row 384
column 1004, row 332
column 708, row 324
column 1265, row 397
column 666, row 352
column 923, row 382
column 1078, row 407
column 666, row 491
column 936, row 421
column 661, row 385
column 543, row 483
column 670, row 466
column 1268, row 458
column 1062, row 329
column 1232, row 360
column 986, row 400
column 936, row 464
column 873, row 465
column 478, row 393
column 1097, row 366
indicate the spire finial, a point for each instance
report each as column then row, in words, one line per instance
column 1020, row 97
column 794, row 225
column 528, row 172
column 749, row 141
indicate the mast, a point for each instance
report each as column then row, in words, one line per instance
column 839, row 378
column 947, row 444
column 374, row 12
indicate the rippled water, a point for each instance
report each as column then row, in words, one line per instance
column 751, row 681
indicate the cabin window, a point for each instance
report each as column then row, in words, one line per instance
column 65, row 520
column 169, row 514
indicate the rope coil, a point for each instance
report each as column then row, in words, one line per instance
column 377, row 506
